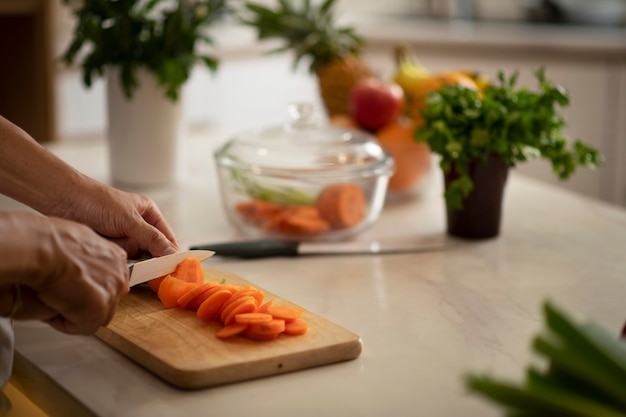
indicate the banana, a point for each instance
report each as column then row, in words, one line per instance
column 481, row 80
column 409, row 72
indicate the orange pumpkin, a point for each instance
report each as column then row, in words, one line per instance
column 412, row 158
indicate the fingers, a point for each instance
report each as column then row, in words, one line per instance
column 152, row 232
column 84, row 279
column 149, row 238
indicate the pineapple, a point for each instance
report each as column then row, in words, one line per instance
column 311, row 32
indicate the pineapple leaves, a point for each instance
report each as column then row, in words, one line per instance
column 308, row 30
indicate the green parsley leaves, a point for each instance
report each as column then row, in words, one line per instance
column 514, row 124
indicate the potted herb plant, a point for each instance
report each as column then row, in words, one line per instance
column 146, row 50
column 480, row 135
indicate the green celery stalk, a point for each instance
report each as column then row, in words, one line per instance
column 550, row 401
column 563, row 356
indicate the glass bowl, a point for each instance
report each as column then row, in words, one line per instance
column 303, row 180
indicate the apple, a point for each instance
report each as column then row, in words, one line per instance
column 375, row 103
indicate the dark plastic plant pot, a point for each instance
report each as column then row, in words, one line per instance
column 481, row 214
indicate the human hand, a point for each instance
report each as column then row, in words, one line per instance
column 131, row 220
column 64, row 273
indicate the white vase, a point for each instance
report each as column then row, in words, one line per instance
column 143, row 133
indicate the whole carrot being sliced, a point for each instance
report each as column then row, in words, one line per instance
column 171, row 289
column 342, row 205
column 194, row 298
column 231, row 330
column 190, row 270
column 265, row 331
column 296, row 327
column 209, row 309
column 287, row 313
column 154, row 284
column 253, row 318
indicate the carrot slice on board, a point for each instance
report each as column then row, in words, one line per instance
column 263, row 307
column 249, row 291
column 190, row 270
column 265, row 331
column 247, row 306
column 154, row 284
column 210, row 307
column 342, row 205
column 286, row 313
column 231, row 330
column 171, row 289
column 195, row 297
column 228, row 307
column 296, row 327
column 252, row 318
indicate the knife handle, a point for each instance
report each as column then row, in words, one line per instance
column 252, row 249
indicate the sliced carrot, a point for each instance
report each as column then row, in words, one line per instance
column 302, row 225
column 250, row 291
column 240, row 309
column 171, row 289
column 210, row 307
column 247, row 306
column 263, row 307
column 342, row 205
column 253, row 318
column 231, row 330
column 265, row 331
column 195, row 297
column 154, row 284
column 228, row 307
column 296, row 327
column 232, row 288
column 286, row 313
column 190, row 270
column 257, row 210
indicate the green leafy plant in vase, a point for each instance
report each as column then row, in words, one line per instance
column 162, row 36
column 480, row 135
column 146, row 50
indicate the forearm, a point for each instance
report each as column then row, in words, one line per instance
column 21, row 261
column 32, row 175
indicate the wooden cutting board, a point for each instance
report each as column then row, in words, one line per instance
column 178, row 347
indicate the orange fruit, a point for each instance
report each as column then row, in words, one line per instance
column 412, row 158
column 418, row 95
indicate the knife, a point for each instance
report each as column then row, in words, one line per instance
column 264, row 248
column 143, row 271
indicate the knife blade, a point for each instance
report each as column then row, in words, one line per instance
column 266, row 248
column 143, row 271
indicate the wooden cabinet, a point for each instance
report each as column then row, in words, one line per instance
column 26, row 80
column 595, row 79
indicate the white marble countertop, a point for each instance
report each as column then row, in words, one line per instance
column 425, row 319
